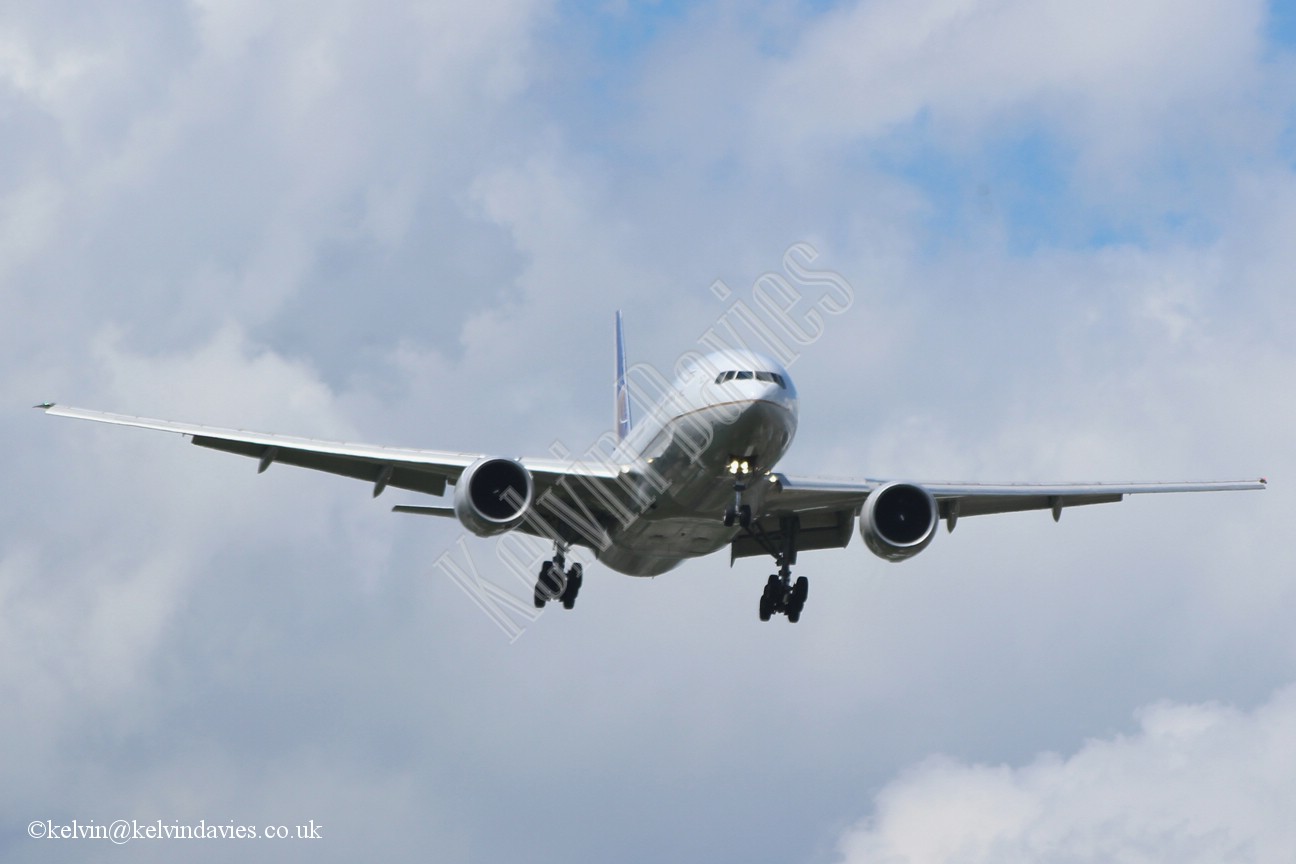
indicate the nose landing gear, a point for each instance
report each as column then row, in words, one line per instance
column 741, row 468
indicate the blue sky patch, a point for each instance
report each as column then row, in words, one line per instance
column 625, row 30
column 1020, row 181
column 1282, row 23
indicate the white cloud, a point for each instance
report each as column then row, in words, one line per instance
column 1117, row 78
column 224, row 375
column 232, row 153
column 27, row 216
column 1194, row 783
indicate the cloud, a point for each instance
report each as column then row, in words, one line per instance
column 230, row 156
column 1038, row 121
column 1194, row 783
column 868, row 68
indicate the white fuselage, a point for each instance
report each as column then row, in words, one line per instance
column 700, row 439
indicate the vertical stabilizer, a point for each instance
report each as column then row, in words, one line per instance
column 622, row 396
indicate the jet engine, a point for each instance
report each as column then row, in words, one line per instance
column 492, row 495
column 898, row 520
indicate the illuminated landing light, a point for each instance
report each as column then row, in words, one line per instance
column 739, row 466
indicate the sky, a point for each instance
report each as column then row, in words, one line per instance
column 1066, row 230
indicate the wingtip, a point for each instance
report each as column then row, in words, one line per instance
column 44, row 406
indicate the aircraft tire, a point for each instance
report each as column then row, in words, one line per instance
column 575, row 577
column 551, row 583
column 800, row 591
column 744, row 515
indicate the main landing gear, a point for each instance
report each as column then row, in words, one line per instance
column 554, row 584
column 781, row 593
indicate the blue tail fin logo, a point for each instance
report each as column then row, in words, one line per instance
column 622, row 395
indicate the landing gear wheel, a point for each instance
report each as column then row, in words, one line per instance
column 541, row 592
column 730, row 517
column 800, row 591
column 796, row 602
column 574, row 579
column 550, row 584
column 771, row 598
column 744, row 515
column 797, row 599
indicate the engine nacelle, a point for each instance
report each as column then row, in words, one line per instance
column 492, row 495
column 898, row 520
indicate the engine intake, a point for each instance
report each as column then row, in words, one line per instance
column 898, row 520
column 493, row 495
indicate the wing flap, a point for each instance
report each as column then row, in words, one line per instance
column 815, row 529
column 982, row 505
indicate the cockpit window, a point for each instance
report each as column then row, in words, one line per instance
column 747, row 375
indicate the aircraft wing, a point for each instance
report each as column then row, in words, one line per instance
column 825, row 508
column 425, row 471
column 975, row 499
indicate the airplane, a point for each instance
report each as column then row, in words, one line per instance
column 698, row 474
